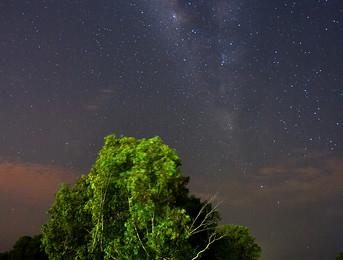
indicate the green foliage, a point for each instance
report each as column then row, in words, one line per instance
column 66, row 234
column 340, row 256
column 127, row 207
column 238, row 244
column 26, row 247
column 134, row 204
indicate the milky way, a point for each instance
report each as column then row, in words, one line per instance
column 248, row 92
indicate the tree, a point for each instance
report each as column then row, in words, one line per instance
column 237, row 244
column 26, row 247
column 128, row 206
column 340, row 256
column 133, row 204
column 67, row 233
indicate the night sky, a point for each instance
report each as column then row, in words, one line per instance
column 250, row 94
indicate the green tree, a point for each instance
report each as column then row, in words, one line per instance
column 237, row 244
column 67, row 233
column 133, row 204
column 130, row 205
column 340, row 256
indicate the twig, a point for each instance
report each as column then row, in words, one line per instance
column 211, row 240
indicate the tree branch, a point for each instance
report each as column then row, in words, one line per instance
column 205, row 223
column 213, row 238
column 139, row 238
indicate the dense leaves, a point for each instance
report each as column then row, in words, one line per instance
column 237, row 244
column 26, row 247
column 340, row 256
column 67, row 233
column 127, row 207
column 134, row 204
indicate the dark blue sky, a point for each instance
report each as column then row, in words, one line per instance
column 250, row 93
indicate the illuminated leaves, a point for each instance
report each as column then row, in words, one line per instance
column 125, row 208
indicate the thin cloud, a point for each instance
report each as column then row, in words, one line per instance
column 26, row 192
column 286, row 184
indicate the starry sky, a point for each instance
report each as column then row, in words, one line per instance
column 250, row 94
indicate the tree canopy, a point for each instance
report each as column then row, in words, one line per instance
column 26, row 247
column 134, row 204
column 340, row 256
column 237, row 244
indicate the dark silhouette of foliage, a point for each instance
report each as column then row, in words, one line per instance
column 26, row 247
column 4, row 256
column 340, row 256
column 237, row 244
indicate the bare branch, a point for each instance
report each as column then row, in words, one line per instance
column 213, row 238
column 202, row 209
column 206, row 222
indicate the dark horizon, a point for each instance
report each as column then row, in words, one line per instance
column 249, row 93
